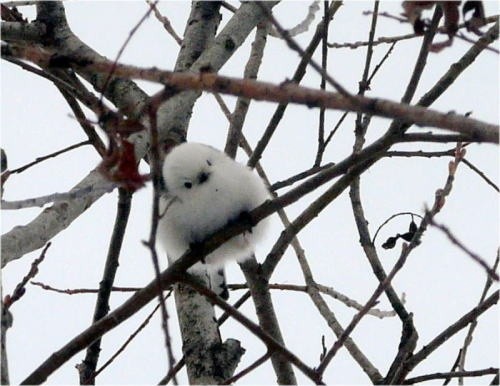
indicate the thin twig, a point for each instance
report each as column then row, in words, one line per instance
column 335, row 128
column 300, row 176
column 406, row 250
column 77, row 291
column 390, row 218
column 303, row 25
column 430, row 154
column 20, row 289
column 86, row 126
column 474, row 256
column 453, row 368
column 452, row 374
column 324, row 60
column 468, row 338
column 48, row 156
column 154, row 158
column 325, row 290
column 237, row 118
column 294, row 46
column 173, row 371
column 122, row 48
column 382, row 61
column 395, row 39
column 296, row 78
column 164, row 20
column 481, row 174
column 129, row 339
column 468, row 40
column 451, row 330
column 361, row 126
column 248, row 369
column 88, row 366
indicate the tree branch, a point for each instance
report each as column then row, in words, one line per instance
column 452, row 374
column 461, row 323
column 88, row 366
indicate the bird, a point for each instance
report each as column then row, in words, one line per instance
column 204, row 190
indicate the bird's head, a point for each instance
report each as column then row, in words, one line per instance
column 188, row 167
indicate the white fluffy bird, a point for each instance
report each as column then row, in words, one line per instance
column 205, row 190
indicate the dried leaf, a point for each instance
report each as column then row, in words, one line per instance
column 390, row 242
column 413, row 227
column 407, row 236
column 120, row 165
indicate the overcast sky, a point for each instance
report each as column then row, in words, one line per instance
column 439, row 281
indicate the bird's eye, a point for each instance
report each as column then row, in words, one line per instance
column 188, row 185
column 209, row 163
column 203, row 177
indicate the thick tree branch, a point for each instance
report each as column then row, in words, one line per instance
column 270, row 342
column 420, row 116
column 131, row 101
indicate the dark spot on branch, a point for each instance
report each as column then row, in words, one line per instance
column 195, row 55
column 313, row 103
column 64, row 61
column 229, row 44
column 206, row 68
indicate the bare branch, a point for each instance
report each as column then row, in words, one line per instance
column 468, row 338
column 88, row 366
column 439, row 201
column 164, row 20
column 59, row 197
column 325, row 290
column 481, row 174
column 267, row 339
column 21, row 31
column 300, row 176
column 478, row 259
column 155, row 162
column 20, row 289
column 249, row 369
column 395, row 39
column 46, row 157
column 296, row 78
column 76, row 291
column 303, row 26
column 237, row 119
column 452, row 374
column 441, row 338
column 129, row 339
column 259, row 289
column 480, row 131
column 294, row 46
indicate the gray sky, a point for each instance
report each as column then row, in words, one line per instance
column 439, row 281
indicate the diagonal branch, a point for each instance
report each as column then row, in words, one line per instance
column 446, row 334
column 268, row 340
column 87, row 368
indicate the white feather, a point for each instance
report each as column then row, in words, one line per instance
column 205, row 190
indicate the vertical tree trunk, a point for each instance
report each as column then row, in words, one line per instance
column 208, row 360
